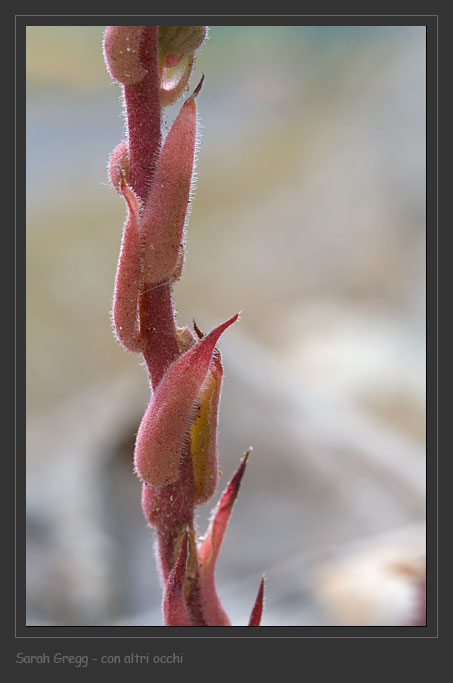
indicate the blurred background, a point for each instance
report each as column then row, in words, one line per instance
column 309, row 216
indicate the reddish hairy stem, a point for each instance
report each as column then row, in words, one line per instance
column 174, row 502
column 170, row 508
column 157, row 319
column 158, row 330
column 176, row 447
column 143, row 111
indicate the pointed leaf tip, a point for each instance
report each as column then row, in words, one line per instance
column 232, row 490
column 198, row 332
column 229, row 497
column 197, row 89
column 209, row 549
column 216, row 332
column 257, row 611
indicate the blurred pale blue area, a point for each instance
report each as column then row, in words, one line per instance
column 309, row 216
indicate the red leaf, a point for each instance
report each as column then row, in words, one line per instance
column 164, row 215
column 166, row 422
column 174, row 605
column 128, row 278
column 208, row 550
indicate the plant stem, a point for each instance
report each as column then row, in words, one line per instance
column 143, row 112
column 157, row 324
column 158, row 330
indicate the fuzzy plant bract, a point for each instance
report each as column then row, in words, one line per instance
column 176, row 449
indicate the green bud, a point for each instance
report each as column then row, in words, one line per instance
column 180, row 40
